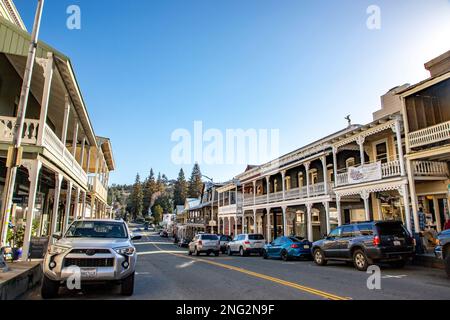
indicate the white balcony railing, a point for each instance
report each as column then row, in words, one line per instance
column 388, row 170
column 430, row 135
column 30, row 130
column 261, row 199
column 59, row 150
column 430, row 169
column 391, row 169
column 95, row 185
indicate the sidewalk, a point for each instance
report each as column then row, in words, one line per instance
column 22, row 277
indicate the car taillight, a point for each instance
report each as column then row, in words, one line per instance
column 200, row 243
column 294, row 246
column 376, row 241
column 247, row 242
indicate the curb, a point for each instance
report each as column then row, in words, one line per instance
column 19, row 285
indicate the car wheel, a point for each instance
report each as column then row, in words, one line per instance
column 241, row 252
column 230, row 253
column 49, row 289
column 398, row 264
column 196, row 252
column 128, row 285
column 360, row 260
column 319, row 257
column 208, row 253
column 284, row 255
column 190, row 252
column 217, row 253
column 265, row 254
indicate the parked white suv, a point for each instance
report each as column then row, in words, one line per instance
column 100, row 250
column 205, row 243
column 246, row 244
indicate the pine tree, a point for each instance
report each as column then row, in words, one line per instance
column 157, row 211
column 180, row 189
column 149, row 190
column 195, row 183
column 136, row 198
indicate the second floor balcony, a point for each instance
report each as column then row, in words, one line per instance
column 95, row 185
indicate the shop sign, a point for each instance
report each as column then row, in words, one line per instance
column 365, row 173
column 38, row 247
column 212, row 223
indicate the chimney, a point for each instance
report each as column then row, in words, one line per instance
column 439, row 65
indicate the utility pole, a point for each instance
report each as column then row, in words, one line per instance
column 15, row 151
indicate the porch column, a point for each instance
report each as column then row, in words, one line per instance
column 88, row 162
column 335, row 165
column 404, row 192
column 401, row 159
column 75, row 139
column 366, row 196
column 325, row 174
column 58, row 184
column 83, row 206
column 236, row 225
column 283, row 181
column 326, row 204
column 83, row 149
column 76, row 203
column 307, row 166
column 269, row 232
column 223, row 226
column 360, row 141
column 254, row 193
column 67, row 208
column 309, row 217
column 254, row 221
column 437, row 214
column 34, row 168
column 268, row 188
column 48, row 75
column 65, row 120
column 339, row 209
column 412, row 192
column 229, row 226
column 285, row 231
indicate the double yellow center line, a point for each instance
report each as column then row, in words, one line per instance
column 293, row 285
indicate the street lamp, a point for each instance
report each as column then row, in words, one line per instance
column 15, row 151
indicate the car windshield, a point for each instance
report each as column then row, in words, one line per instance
column 97, row 229
column 391, row 229
column 255, row 237
column 296, row 239
column 209, row 237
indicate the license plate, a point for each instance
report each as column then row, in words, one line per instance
column 88, row 272
column 397, row 243
column 306, row 247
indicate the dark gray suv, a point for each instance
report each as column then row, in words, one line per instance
column 366, row 243
column 443, row 249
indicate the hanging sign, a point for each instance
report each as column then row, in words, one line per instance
column 365, row 173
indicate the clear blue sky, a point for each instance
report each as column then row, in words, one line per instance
column 148, row 67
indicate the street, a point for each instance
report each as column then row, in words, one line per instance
column 165, row 271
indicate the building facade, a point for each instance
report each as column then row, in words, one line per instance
column 65, row 167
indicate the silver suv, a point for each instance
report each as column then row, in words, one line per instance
column 246, row 244
column 205, row 243
column 94, row 251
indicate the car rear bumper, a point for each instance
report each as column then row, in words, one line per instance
column 254, row 250
column 209, row 249
column 389, row 255
column 300, row 253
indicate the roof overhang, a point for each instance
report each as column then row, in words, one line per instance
column 424, row 85
column 106, row 147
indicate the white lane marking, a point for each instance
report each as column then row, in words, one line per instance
column 158, row 252
column 395, row 277
column 185, row 265
column 142, row 273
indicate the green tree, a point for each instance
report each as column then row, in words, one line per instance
column 180, row 189
column 150, row 188
column 136, row 198
column 195, row 183
column 157, row 214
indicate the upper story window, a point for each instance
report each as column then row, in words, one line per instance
column 381, row 152
column 350, row 162
column 288, row 183
column 314, row 176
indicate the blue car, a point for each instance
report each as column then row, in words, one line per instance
column 288, row 248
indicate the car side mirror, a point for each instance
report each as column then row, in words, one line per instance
column 134, row 238
column 57, row 235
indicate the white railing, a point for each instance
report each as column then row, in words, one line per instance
column 248, row 200
column 261, row 199
column 95, row 185
column 30, row 130
column 391, row 169
column 59, row 150
column 438, row 133
column 276, row 197
column 388, row 170
column 317, row 189
column 430, row 168
column 294, row 193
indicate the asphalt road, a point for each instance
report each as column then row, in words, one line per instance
column 165, row 271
